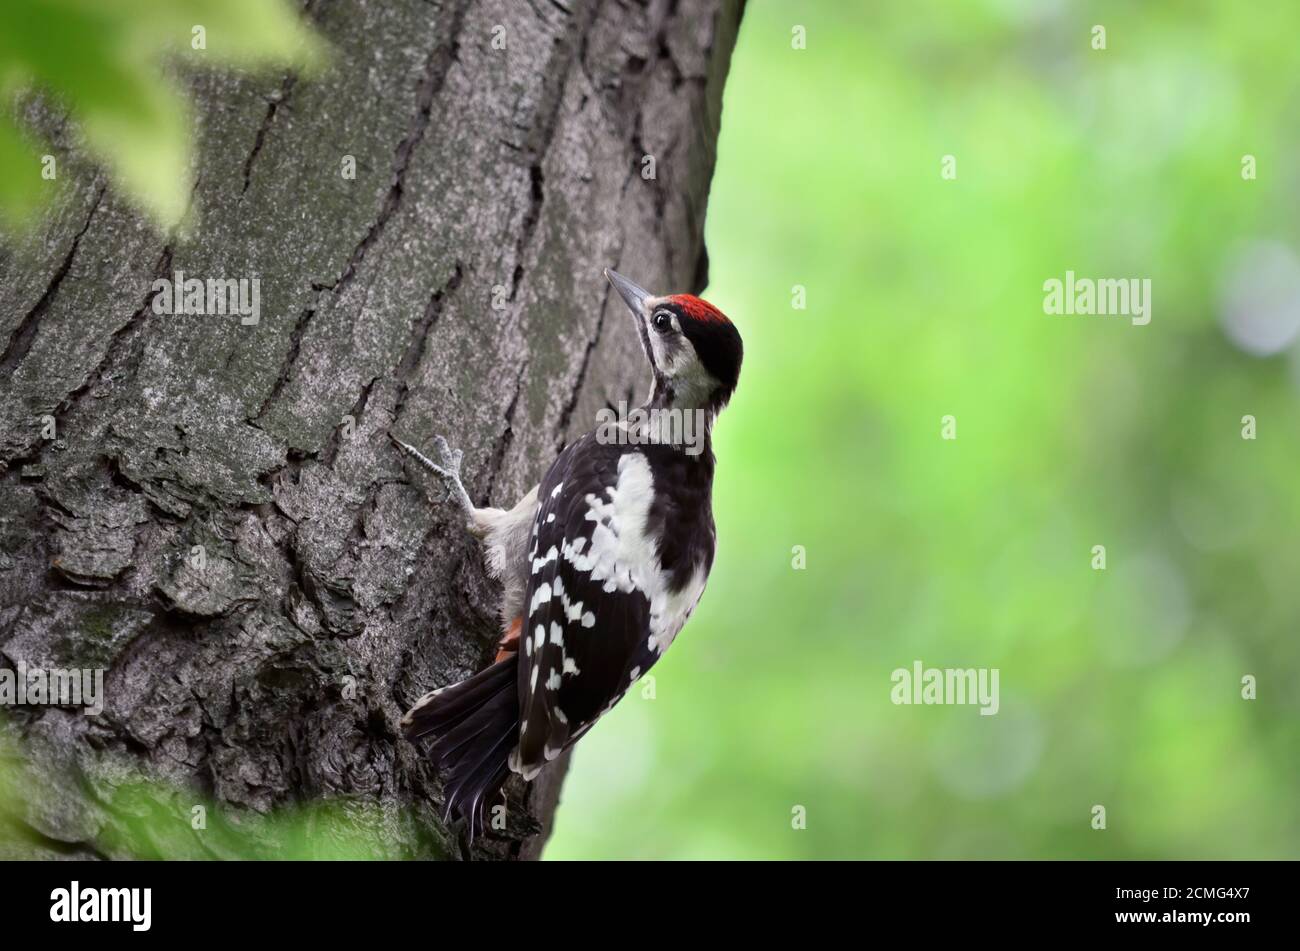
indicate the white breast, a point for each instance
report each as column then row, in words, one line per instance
column 623, row 554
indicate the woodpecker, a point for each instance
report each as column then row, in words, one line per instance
column 601, row 563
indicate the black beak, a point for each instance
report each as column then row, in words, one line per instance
column 637, row 299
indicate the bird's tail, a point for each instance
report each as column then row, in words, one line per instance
column 474, row 725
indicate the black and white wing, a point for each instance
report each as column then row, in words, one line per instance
column 598, row 609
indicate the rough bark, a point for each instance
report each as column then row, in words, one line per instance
column 335, row 591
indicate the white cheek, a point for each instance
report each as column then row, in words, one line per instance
column 693, row 383
column 673, row 358
column 657, row 347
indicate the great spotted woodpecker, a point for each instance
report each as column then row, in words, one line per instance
column 601, row 563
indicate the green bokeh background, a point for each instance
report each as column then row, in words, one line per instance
column 924, row 299
column 1121, row 687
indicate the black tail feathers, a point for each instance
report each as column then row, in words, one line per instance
column 474, row 725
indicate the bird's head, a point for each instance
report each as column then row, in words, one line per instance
column 693, row 349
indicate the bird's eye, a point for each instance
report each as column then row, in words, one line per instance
column 663, row 321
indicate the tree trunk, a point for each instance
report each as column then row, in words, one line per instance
column 219, row 520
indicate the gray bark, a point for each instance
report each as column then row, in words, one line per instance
column 335, row 590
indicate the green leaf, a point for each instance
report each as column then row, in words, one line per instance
column 21, row 184
column 104, row 62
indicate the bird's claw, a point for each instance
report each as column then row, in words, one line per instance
column 447, row 468
column 450, row 458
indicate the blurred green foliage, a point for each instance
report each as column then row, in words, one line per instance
column 125, row 816
column 103, row 61
column 1119, row 687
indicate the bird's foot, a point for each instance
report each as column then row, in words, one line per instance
column 447, row 469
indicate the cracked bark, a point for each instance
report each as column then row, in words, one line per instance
column 453, row 286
